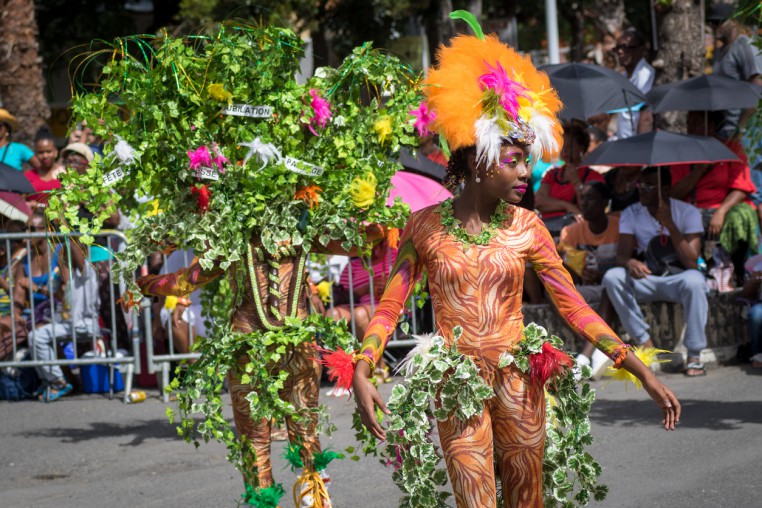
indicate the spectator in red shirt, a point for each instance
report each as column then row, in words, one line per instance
column 560, row 188
column 45, row 177
column 721, row 191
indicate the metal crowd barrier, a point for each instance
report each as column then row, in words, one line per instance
column 161, row 362
column 52, row 242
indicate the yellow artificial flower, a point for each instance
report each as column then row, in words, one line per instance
column 155, row 210
column 170, row 303
column 363, row 190
column 324, row 291
column 217, row 92
column 383, row 128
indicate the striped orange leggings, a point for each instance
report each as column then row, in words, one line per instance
column 301, row 388
column 513, row 427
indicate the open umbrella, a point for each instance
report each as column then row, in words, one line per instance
column 13, row 180
column 660, row 148
column 14, row 207
column 416, row 190
column 707, row 93
column 588, row 90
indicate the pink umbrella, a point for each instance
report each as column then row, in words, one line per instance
column 14, row 207
column 416, row 190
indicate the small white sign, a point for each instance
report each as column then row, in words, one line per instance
column 208, row 173
column 248, row 110
column 301, row 167
column 112, row 177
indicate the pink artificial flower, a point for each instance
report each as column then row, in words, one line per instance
column 220, row 160
column 424, row 118
column 200, row 157
column 321, row 109
column 508, row 90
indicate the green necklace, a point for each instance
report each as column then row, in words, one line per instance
column 453, row 225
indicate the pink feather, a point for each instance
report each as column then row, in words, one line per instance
column 220, row 160
column 424, row 118
column 321, row 109
column 548, row 363
column 200, row 157
column 508, row 90
column 340, row 365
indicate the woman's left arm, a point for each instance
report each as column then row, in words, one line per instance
column 584, row 321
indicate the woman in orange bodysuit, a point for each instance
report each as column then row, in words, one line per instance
column 475, row 250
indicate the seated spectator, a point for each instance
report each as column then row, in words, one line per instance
column 752, row 291
column 659, row 246
column 77, row 156
column 37, row 274
column 721, row 191
column 45, row 177
column 10, row 324
column 382, row 261
column 84, row 302
column 589, row 250
column 11, row 153
column 623, row 182
column 559, row 191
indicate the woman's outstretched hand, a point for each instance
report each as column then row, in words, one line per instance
column 666, row 400
column 367, row 398
column 662, row 395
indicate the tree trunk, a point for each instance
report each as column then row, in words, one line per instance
column 439, row 26
column 681, row 52
column 608, row 15
column 576, row 18
column 22, row 86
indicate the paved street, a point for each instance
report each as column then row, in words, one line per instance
column 88, row 452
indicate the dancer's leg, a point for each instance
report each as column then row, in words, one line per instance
column 467, row 448
column 518, row 421
column 302, row 388
column 257, row 433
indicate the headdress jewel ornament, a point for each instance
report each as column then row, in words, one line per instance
column 482, row 93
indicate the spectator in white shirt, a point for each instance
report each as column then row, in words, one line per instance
column 631, row 50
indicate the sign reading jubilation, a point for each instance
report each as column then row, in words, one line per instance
column 247, row 110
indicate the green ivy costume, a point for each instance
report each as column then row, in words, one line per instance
column 211, row 144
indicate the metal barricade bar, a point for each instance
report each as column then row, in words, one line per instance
column 90, row 324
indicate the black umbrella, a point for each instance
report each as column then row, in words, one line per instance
column 588, row 90
column 422, row 164
column 660, row 148
column 13, row 180
column 704, row 93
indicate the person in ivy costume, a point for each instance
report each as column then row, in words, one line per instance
column 498, row 114
column 213, row 146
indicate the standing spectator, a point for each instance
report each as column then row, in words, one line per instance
column 13, row 154
column 737, row 58
column 644, row 228
column 45, row 177
column 77, row 156
column 631, row 50
column 721, row 191
column 560, row 188
column 589, row 250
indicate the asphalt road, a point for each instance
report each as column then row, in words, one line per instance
column 87, row 451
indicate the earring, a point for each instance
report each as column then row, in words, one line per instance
column 477, row 177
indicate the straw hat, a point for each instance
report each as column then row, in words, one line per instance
column 7, row 117
column 80, row 148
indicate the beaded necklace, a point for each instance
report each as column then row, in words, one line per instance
column 488, row 232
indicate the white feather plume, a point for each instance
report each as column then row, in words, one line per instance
column 543, row 132
column 124, row 152
column 422, row 347
column 266, row 152
column 489, row 139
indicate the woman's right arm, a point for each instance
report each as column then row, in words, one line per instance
column 404, row 275
column 179, row 283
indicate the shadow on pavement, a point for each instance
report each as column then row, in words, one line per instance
column 140, row 431
column 703, row 414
